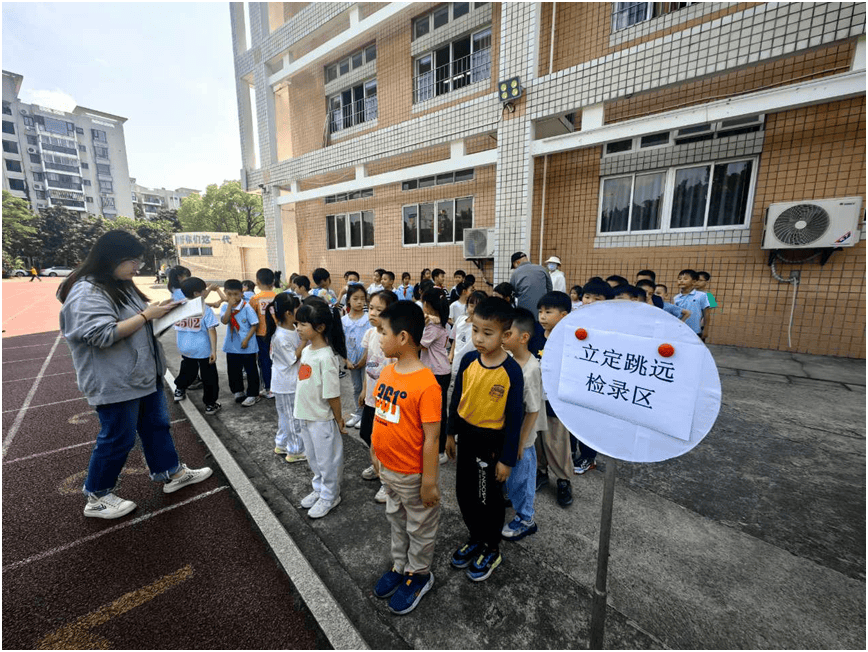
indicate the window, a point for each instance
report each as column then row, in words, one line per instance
column 13, row 166
column 6, row 109
column 107, row 202
column 439, row 180
column 55, row 126
column 16, row 184
column 8, row 127
column 89, row 200
column 685, row 135
column 440, row 222
column 58, row 144
column 35, row 158
column 356, row 60
column 28, row 121
column 441, row 16
column 32, row 140
column 625, row 14
column 41, row 194
column 105, row 186
column 654, row 140
column 38, row 176
column 10, row 146
column 454, row 65
column 99, row 134
column 86, row 182
column 356, row 194
column 101, row 168
column 688, row 197
column 354, row 230
column 197, row 251
column 62, row 163
column 101, row 152
column 82, row 148
column 353, row 106
column 79, row 130
column 85, row 166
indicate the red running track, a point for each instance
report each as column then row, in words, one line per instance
column 186, row 570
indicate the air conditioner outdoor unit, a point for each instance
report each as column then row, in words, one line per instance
column 38, row 186
column 812, row 224
column 478, row 243
column 31, row 150
column 23, row 111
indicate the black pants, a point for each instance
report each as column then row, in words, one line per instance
column 235, row 362
column 480, row 495
column 366, row 426
column 443, row 381
column 190, row 369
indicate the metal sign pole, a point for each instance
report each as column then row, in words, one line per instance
column 598, row 611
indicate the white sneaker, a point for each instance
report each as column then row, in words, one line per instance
column 266, row 393
column 381, row 494
column 444, row 458
column 250, row 401
column 109, row 506
column 310, row 500
column 323, row 507
column 190, row 476
column 370, row 473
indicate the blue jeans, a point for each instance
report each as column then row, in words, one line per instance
column 521, row 484
column 149, row 416
column 264, row 344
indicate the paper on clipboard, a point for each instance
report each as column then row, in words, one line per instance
column 190, row 308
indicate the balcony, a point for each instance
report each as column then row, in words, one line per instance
column 63, row 184
column 48, row 165
column 353, row 114
column 58, row 148
column 456, row 74
column 152, row 200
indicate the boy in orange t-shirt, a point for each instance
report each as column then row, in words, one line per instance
column 260, row 302
column 406, row 439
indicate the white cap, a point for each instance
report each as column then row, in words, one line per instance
column 554, row 259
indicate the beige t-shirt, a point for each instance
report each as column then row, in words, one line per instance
column 376, row 362
column 318, row 381
column 533, row 398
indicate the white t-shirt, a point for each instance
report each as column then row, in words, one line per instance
column 374, row 287
column 533, row 398
column 462, row 332
column 376, row 362
column 457, row 310
column 318, row 381
column 284, row 364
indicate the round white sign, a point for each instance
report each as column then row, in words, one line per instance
column 631, row 381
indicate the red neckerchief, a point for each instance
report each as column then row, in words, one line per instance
column 233, row 323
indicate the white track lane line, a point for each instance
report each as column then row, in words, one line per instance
column 96, row 535
column 18, row 380
column 23, row 410
column 26, row 346
column 62, row 355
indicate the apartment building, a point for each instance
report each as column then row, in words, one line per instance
column 616, row 136
column 152, row 200
column 53, row 158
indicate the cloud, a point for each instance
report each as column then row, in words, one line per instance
column 54, row 99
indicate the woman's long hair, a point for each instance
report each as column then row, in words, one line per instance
column 174, row 274
column 110, row 250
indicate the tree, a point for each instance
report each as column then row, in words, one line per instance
column 156, row 235
column 19, row 227
column 226, row 208
column 170, row 215
column 138, row 212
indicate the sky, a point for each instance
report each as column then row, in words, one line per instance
column 166, row 67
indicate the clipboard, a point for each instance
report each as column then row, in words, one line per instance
column 190, row 308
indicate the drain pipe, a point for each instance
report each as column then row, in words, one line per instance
column 542, row 217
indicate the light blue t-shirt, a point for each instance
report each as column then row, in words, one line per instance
column 177, row 295
column 193, row 338
column 672, row 309
column 247, row 319
column 354, row 331
column 694, row 302
column 248, row 295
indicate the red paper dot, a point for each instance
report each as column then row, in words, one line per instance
column 666, row 350
column 581, row 333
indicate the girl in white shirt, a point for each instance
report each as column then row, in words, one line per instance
column 286, row 348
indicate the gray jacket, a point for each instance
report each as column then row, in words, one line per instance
column 531, row 282
column 109, row 370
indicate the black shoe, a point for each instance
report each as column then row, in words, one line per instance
column 542, row 479
column 565, row 493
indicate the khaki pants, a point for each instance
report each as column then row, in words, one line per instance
column 414, row 526
column 553, row 450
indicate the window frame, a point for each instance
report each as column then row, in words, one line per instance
column 436, row 224
column 428, row 17
column 332, row 230
column 10, row 146
column 366, row 52
column 649, row 13
column 668, row 196
column 450, row 80
column 365, row 85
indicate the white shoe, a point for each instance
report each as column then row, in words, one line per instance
column 381, row 494
column 444, row 458
column 190, row 476
column 310, row 500
column 250, row 401
column 370, row 473
column 353, row 421
column 266, row 393
column 109, row 506
column 323, row 507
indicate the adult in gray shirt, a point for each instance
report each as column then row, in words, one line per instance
column 119, row 365
column 530, row 281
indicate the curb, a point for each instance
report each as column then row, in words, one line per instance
column 338, row 629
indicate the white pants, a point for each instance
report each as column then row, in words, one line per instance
column 324, row 449
column 288, row 427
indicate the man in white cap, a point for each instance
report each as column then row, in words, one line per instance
column 559, row 281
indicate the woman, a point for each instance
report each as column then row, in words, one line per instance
column 106, row 321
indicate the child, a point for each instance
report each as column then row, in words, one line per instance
column 176, row 276
column 624, row 292
column 553, row 448
column 260, row 303
column 405, row 290
column 286, row 348
column 355, row 325
column 485, row 414
column 645, row 275
column 387, row 278
column 458, row 277
column 701, row 282
column 302, row 287
column 405, row 441
column 351, row 278
column 376, row 286
column 323, row 281
column 470, row 279
column 318, row 403
column 197, row 343
column 576, row 296
column 675, row 311
column 689, row 298
column 615, row 280
column 439, row 278
column 595, row 290
column 237, row 345
column 376, row 362
column 421, row 289
column 506, row 292
column 662, row 291
column 249, row 288
column 459, row 307
column 521, row 485
column 434, row 355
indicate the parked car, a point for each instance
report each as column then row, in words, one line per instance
column 19, row 273
column 57, row 270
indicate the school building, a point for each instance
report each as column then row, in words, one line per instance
column 616, row 136
column 218, row 256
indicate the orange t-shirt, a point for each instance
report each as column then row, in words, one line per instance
column 403, row 402
column 259, row 302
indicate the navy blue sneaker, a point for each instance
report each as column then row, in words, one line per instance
column 388, row 583
column 482, row 567
column 410, row 592
column 462, row 557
